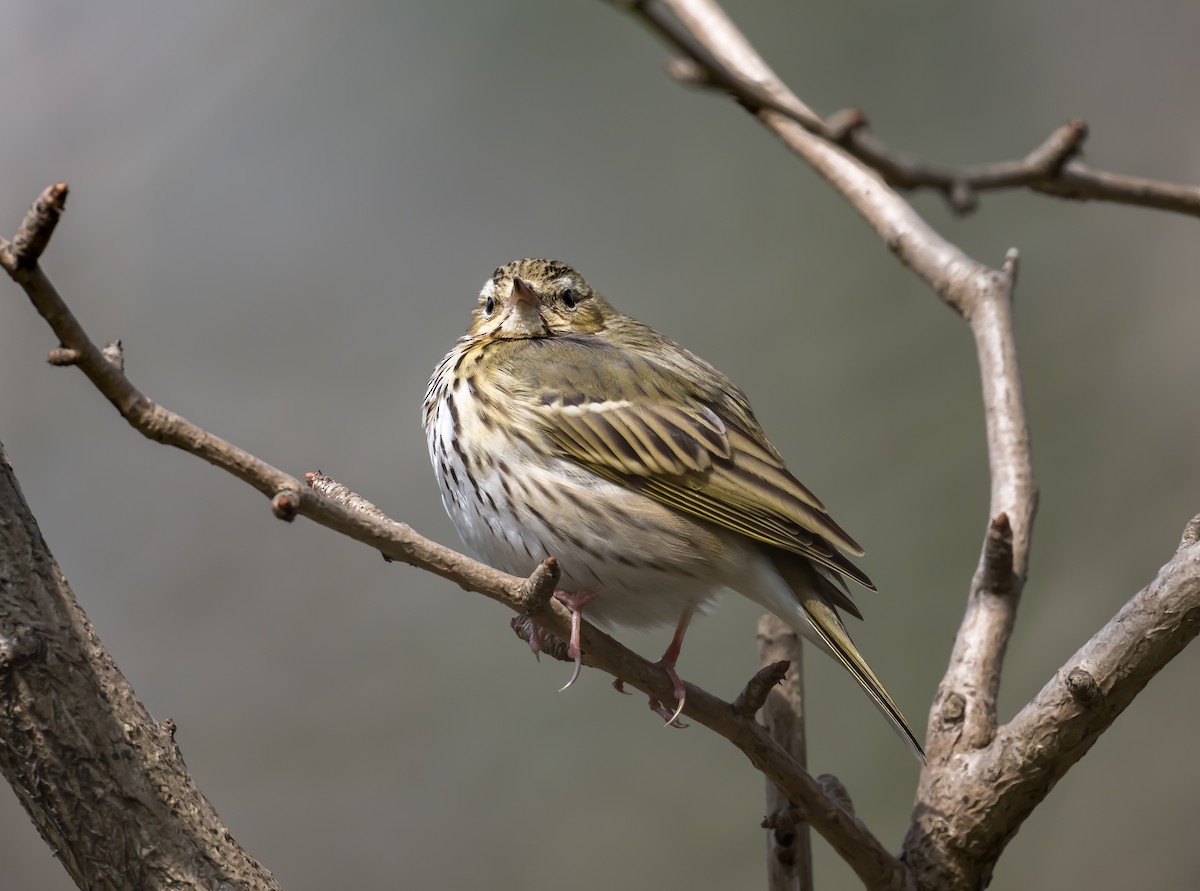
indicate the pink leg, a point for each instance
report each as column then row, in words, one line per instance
column 668, row 660
column 575, row 601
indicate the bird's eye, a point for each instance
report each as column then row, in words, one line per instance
column 490, row 306
column 568, row 299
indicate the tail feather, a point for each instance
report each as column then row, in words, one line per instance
column 814, row 592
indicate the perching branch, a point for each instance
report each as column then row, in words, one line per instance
column 1052, row 168
column 326, row 502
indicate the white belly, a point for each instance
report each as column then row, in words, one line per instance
column 646, row 563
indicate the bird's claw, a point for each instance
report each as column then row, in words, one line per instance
column 677, row 687
column 671, row 718
column 578, row 665
column 575, row 601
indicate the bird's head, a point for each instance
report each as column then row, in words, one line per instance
column 539, row 298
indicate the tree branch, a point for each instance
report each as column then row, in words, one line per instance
column 103, row 782
column 345, row 512
column 789, row 845
column 1051, row 168
column 996, row 787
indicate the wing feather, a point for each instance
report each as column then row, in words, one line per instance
column 696, row 450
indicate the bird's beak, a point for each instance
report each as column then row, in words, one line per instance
column 522, row 293
column 524, row 318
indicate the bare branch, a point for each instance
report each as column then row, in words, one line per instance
column 364, row 523
column 998, row 786
column 754, row 695
column 35, row 230
column 1050, row 168
column 104, row 783
column 789, row 845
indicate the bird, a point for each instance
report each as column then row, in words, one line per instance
column 559, row 426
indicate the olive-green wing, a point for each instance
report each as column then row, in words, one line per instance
column 645, row 426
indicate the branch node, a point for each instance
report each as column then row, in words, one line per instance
column 284, row 505
column 754, row 694
column 783, row 820
column 836, row 791
column 962, row 197
column 954, row 709
column 845, row 123
column 782, row 826
column 115, row 354
column 35, row 230
column 1191, row 533
column 63, row 356
column 998, row 577
column 689, row 72
column 1083, row 688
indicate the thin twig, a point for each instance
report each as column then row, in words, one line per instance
column 1050, row 169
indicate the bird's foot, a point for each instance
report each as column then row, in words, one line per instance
column 537, row 636
column 575, row 601
column 678, row 689
column 619, row 686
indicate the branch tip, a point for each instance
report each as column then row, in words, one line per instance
column 33, row 235
column 758, row 688
column 537, row 590
column 62, row 357
column 1012, row 263
column 285, row 505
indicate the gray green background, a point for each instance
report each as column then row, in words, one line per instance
column 285, row 210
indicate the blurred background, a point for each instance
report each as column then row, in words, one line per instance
column 286, row 209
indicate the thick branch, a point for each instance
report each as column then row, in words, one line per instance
column 995, row 788
column 349, row 514
column 103, row 782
